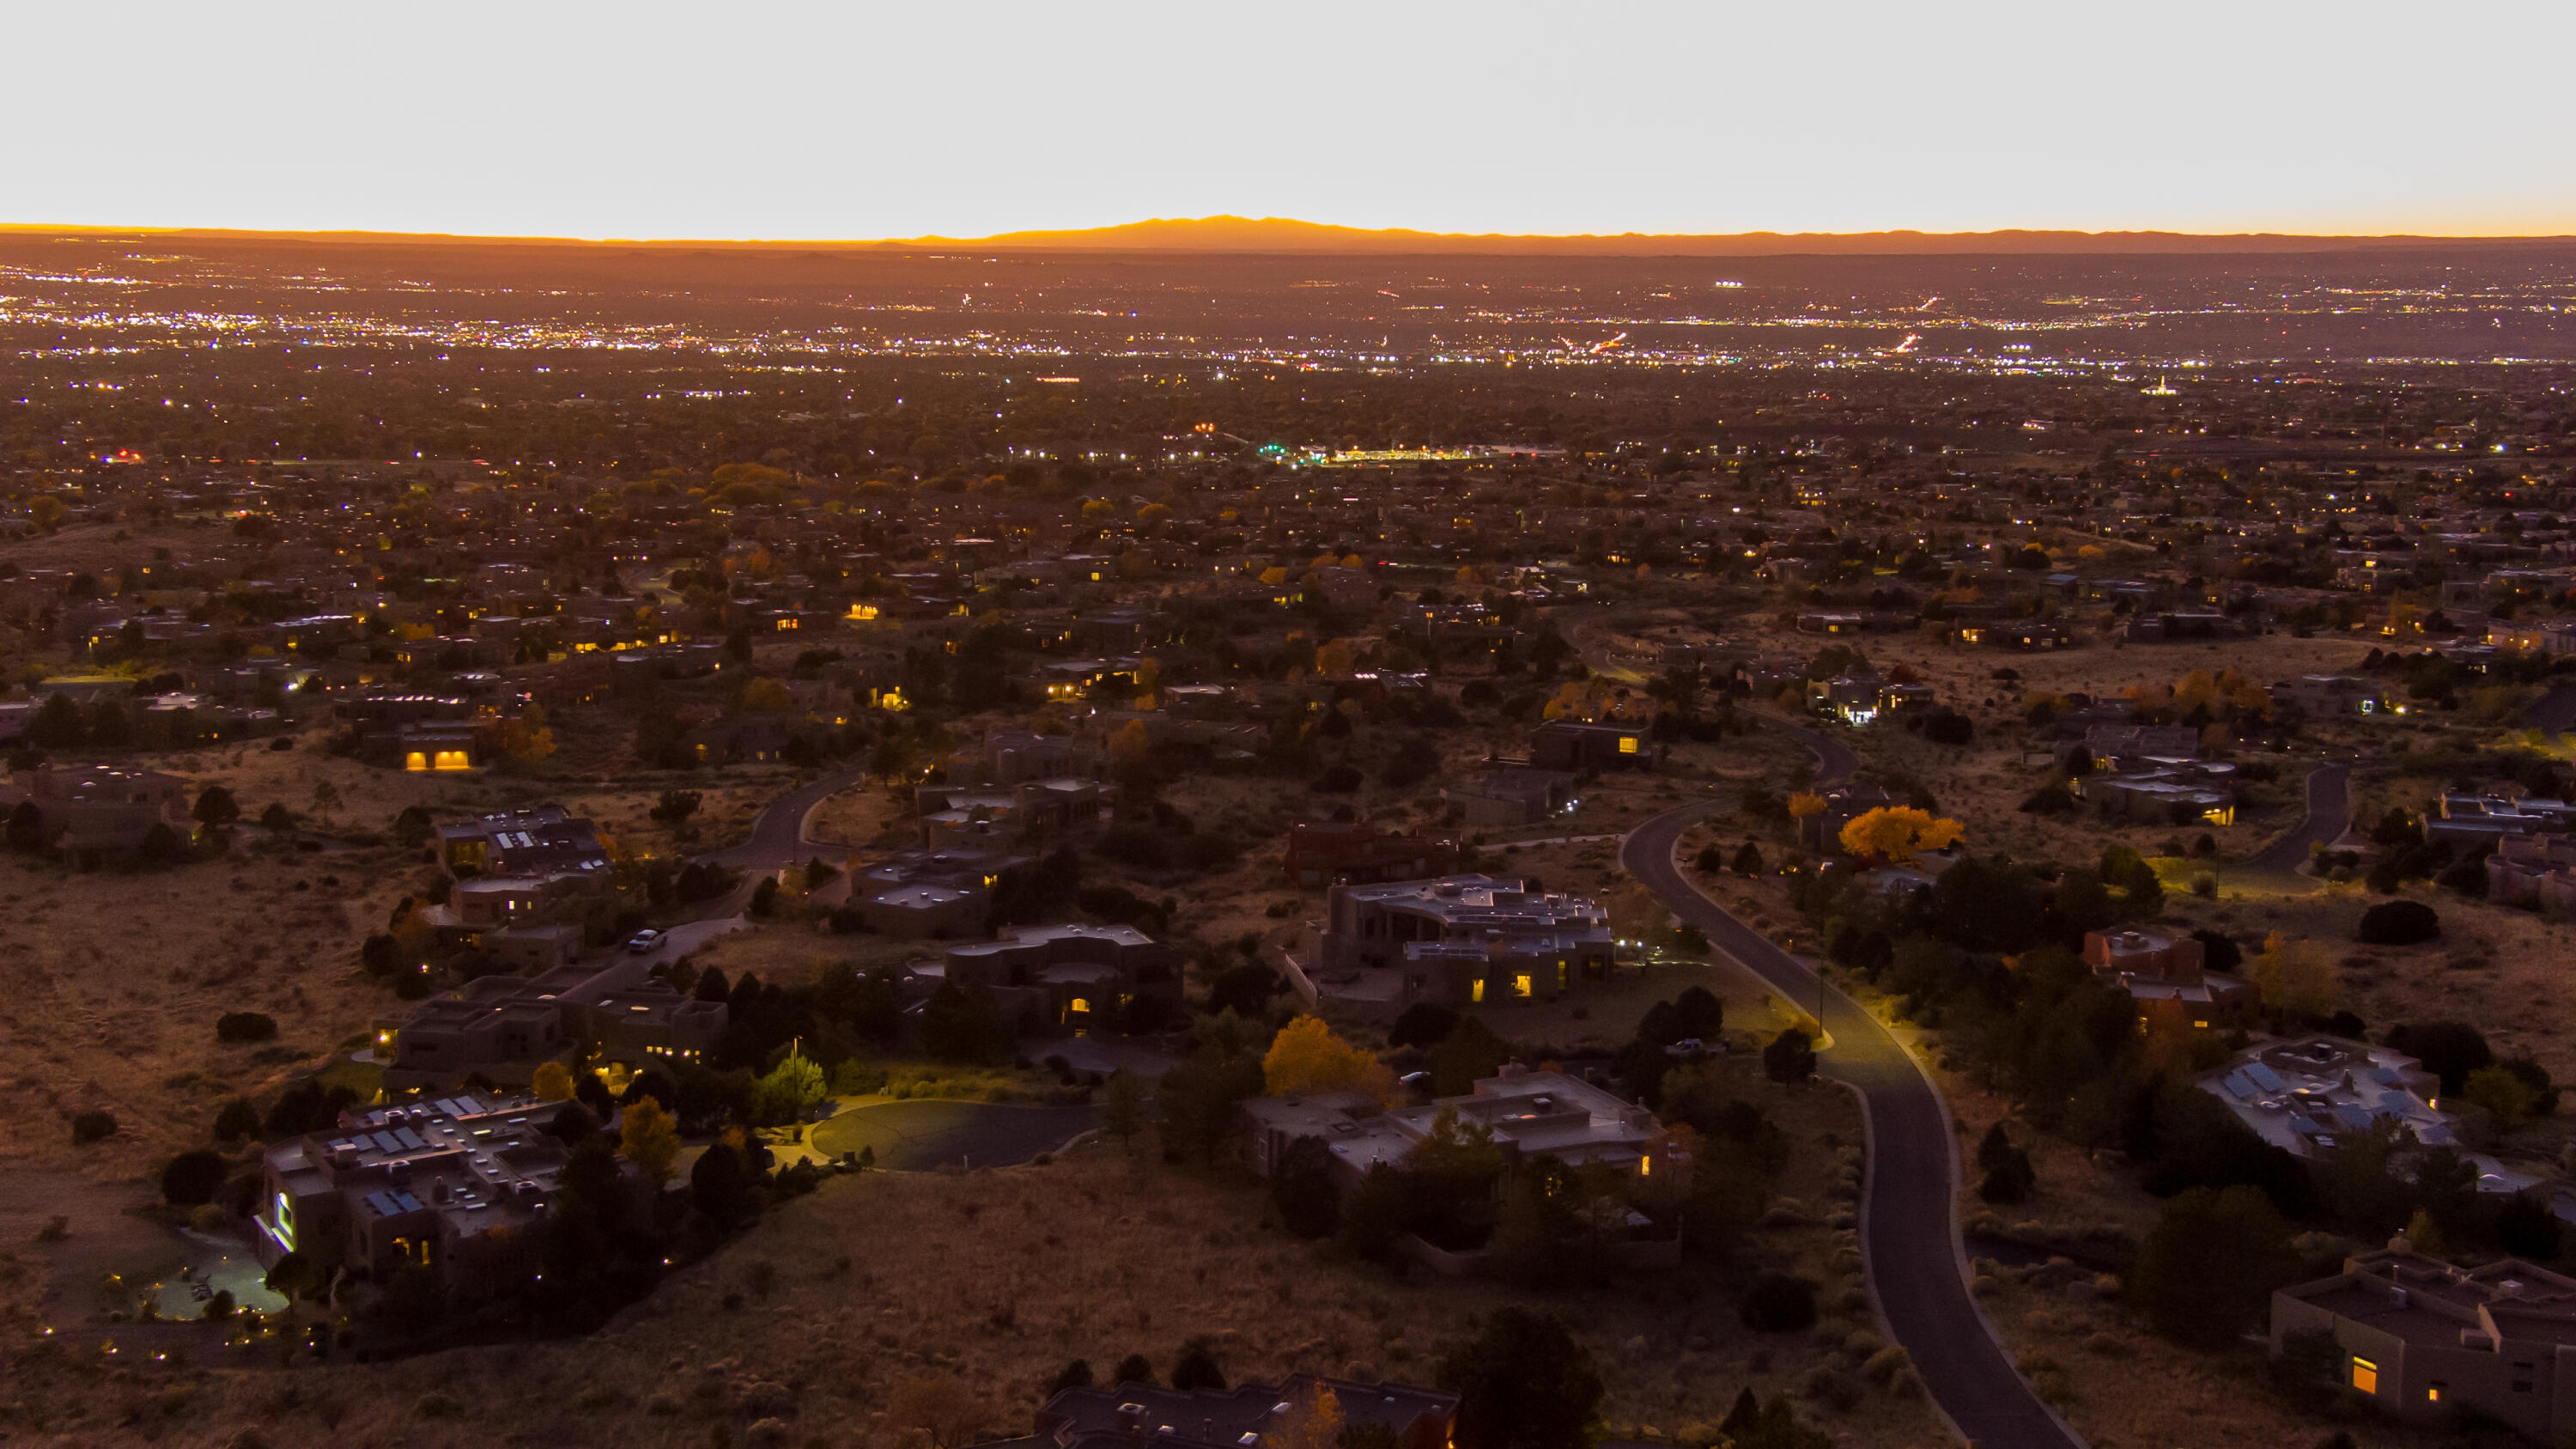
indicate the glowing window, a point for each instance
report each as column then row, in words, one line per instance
column 1077, row 1004
column 452, row 760
column 2434, row 1394
column 2365, row 1375
column 1627, row 744
column 1521, row 985
column 1475, row 991
column 416, row 761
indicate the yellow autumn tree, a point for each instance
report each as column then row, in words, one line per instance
column 1131, row 744
column 650, row 1140
column 1802, row 805
column 767, row 696
column 1314, row 1421
column 526, row 737
column 1307, row 1057
column 1896, row 832
column 2295, row 975
column 552, row 1083
column 1333, row 656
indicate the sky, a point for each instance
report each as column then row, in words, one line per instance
column 650, row 119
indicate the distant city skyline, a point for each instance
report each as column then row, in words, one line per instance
column 810, row 121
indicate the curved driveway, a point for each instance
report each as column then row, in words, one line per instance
column 778, row 831
column 1910, row 1236
column 919, row 1135
column 2329, row 815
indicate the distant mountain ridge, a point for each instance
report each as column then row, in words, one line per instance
column 1279, row 235
column 1287, row 234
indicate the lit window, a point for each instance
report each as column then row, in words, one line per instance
column 2365, row 1375
column 1476, row 990
column 1521, row 985
column 1627, row 744
column 416, row 760
column 2434, row 1394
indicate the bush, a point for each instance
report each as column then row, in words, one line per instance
column 1779, row 1303
column 192, row 1178
column 1339, row 780
column 2399, row 923
column 91, row 1127
column 238, row 1119
column 245, row 1026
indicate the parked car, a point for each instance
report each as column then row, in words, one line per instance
column 643, row 943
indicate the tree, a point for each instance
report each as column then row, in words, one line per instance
column 238, row 1119
column 1307, row 1057
column 215, row 808
column 525, row 737
column 1467, row 1055
column 1074, row 1375
column 1895, row 833
column 1197, row 1368
column 2507, row 1098
column 2400, row 923
column 1423, row 1024
column 245, row 1026
column 1748, row 860
column 720, row 1184
column 552, row 1082
column 193, row 1177
column 785, row 1092
column 1778, row 1303
column 2142, row 893
column 2209, row 1265
column 650, row 1139
column 2450, row 1050
column 941, row 1407
column 1314, row 1421
column 1791, row 1056
column 673, row 809
column 95, row 1125
column 326, row 798
column 58, row 725
column 1122, row 1108
column 1301, row 1187
column 1135, row 1368
column 960, row 1023
column 1522, row 1383
column 2295, row 977
column 2008, row 1175
column 1199, row 1098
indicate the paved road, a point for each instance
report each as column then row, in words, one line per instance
column 1910, row 1237
column 2329, row 815
column 778, row 832
column 920, row 1135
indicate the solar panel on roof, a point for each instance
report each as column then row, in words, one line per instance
column 383, row 1205
column 407, row 1202
column 446, row 1105
column 411, row 1139
column 2264, row 1077
column 387, row 1142
column 2238, row 1086
column 470, row 1105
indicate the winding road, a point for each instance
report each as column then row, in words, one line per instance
column 2329, row 815
column 778, row 832
column 1909, row 1223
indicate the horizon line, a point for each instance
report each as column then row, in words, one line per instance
column 1252, row 235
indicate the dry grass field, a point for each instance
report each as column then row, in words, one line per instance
column 995, row 1279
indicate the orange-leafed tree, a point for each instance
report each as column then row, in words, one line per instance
column 1896, row 832
column 1307, row 1057
column 650, row 1140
